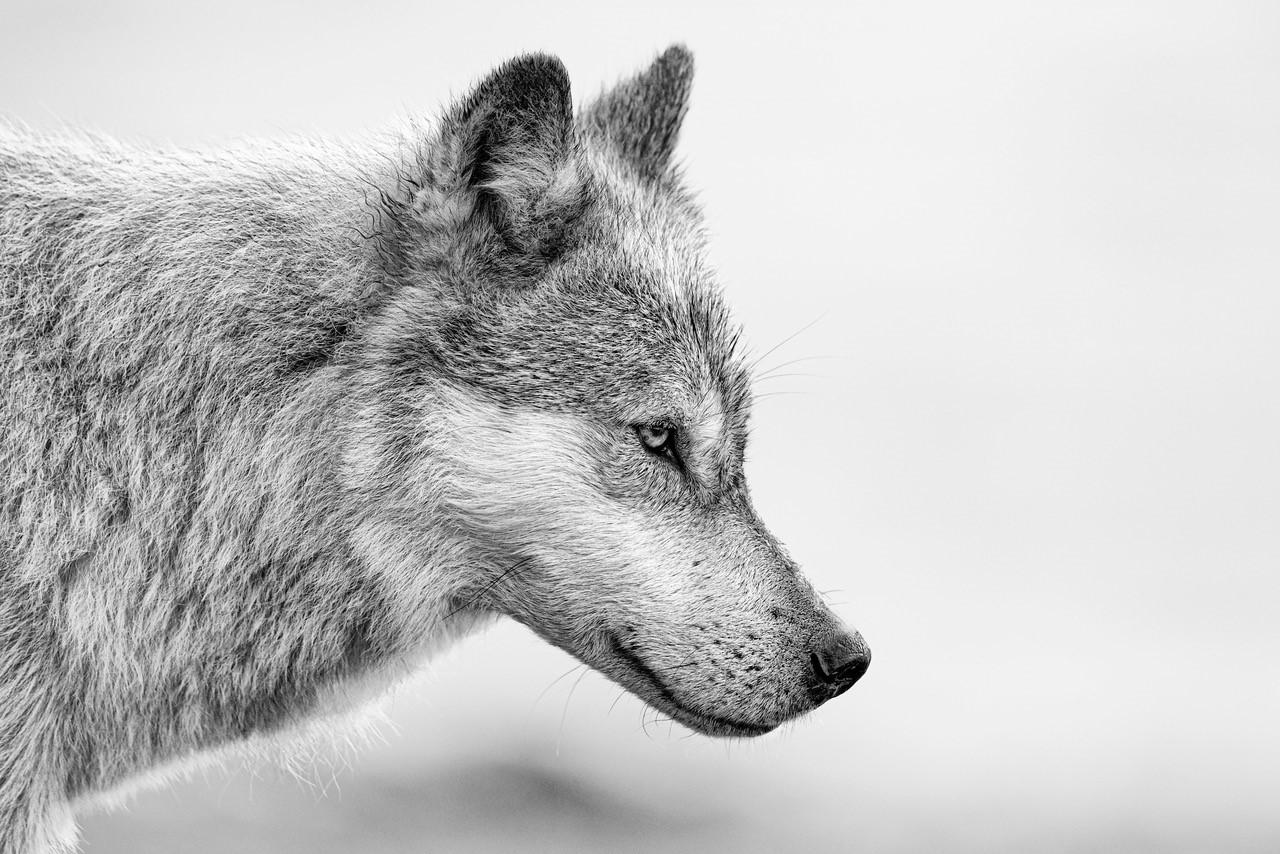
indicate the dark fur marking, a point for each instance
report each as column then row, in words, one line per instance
column 69, row 572
column 321, row 353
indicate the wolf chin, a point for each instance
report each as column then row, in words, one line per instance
column 278, row 419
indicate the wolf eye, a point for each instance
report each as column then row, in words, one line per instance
column 659, row 439
column 655, row 437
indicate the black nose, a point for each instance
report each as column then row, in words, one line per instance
column 839, row 661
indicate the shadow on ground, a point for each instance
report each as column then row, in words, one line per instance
column 489, row 806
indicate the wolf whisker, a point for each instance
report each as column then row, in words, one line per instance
column 788, row 375
column 612, row 705
column 788, row 363
column 565, row 713
column 767, row 353
column 687, row 663
column 644, row 723
column 774, row 394
column 556, row 681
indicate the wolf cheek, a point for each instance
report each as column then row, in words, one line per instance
column 688, row 603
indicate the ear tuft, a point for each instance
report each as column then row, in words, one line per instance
column 641, row 117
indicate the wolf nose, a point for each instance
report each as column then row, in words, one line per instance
column 840, row 661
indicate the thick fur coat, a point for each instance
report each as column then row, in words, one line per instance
column 280, row 418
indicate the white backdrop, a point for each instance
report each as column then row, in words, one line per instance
column 1034, row 444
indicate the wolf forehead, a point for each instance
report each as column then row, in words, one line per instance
column 598, row 334
column 576, row 279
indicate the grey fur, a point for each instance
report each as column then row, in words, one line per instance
column 641, row 117
column 283, row 417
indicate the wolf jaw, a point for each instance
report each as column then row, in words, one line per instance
column 285, row 417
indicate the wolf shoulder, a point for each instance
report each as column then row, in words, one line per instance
column 259, row 255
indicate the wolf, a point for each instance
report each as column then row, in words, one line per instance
column 284, row 419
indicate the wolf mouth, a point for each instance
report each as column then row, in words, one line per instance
column 682, row 713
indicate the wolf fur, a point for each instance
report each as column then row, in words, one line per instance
column 280, row 418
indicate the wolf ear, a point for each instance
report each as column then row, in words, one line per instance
column 641, row 117
column 509, row 142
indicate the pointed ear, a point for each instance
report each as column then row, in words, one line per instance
column 641, row 117
column 509, row 143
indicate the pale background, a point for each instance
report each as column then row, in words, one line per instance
column 1038, row 452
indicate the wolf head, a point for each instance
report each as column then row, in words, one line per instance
column 562, row 385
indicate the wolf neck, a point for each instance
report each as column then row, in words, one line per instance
column 186, row 409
